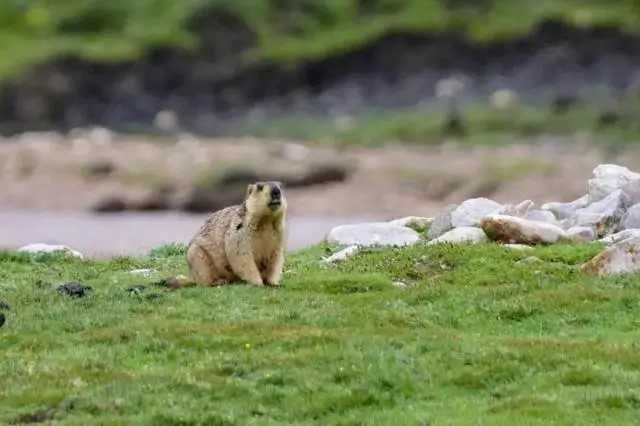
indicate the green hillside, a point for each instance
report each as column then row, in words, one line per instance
column 286, row 30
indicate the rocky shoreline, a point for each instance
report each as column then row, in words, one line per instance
column 609, row 213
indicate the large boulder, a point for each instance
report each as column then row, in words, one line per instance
column 607, row 178
column 622, row 257
column 472, row 211
column 517, row 230
column 374, row 233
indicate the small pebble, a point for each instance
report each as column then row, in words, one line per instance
column 144, row 272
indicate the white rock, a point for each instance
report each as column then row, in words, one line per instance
column 461, row 234
column 413, row 221
column 472, row 211
column 581, row 234
column 608, row 178
column 564, row 210
column 101, row 136
column 542, row 216
column 144, row 272
column 622, row 257
column 510, row 229
column 518, row 246
column 166, row 120
column 342, row 255
column 294, row 151
column 374, row 233
column 620, row 236
column 519, row 210
column 503, row 98
column 50, row 248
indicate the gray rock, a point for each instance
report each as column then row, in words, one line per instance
column 631, row 219
column 632, row 189
column 521, row 247
column 564, row 210
column 342, row 255
column 143, row 272
column 607, row 178
column 619, row 236
column 374, row 233
column 50, row 248
column 461, row 234
column 472, row 211
column 441, row 223
column 519, row 210
column 622, row 257
column 541, row 216
column 510, row 229
column 604, row 215
column 581, row 234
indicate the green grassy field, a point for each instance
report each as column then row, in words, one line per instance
column 285, row 31
column 476, row 338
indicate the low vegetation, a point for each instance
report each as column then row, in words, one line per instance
column 611, row 124
column 285, row 31
column 476, row 335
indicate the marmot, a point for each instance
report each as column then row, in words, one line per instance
column 242, row 242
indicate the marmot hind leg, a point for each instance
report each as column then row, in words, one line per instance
column 201, row 268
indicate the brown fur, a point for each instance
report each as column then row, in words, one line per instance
column 243, row 242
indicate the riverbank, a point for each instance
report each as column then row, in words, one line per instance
column 52, row 182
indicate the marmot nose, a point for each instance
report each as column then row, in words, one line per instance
column 275, row 192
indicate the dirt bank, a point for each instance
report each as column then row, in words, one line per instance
column 55, row 173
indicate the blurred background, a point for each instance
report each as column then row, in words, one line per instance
column 123, row 123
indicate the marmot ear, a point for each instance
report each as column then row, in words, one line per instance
column 250, row 189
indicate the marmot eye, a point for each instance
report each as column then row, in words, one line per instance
column 259, row 186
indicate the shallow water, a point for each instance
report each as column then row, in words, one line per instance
column 101, row 235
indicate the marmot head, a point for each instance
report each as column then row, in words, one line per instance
column 266, row 199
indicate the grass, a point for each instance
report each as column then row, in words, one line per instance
column 285, row 31
column 475, row 339
column 483, row 124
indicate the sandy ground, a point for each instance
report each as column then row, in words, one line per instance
column 46, row 190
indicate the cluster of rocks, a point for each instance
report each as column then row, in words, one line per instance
column 608, row 213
